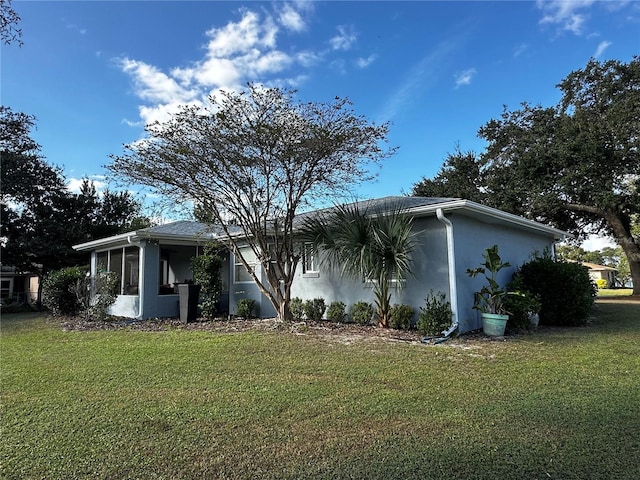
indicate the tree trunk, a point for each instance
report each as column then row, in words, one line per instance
column 623, row 237
column 629, row 246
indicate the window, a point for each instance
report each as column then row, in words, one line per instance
column 240, row 273
column 125, row 263
column 6, row 288
column 309, row 259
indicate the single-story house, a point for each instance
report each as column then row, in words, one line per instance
column 601, row 272
column 451, row 235
column 17, row 286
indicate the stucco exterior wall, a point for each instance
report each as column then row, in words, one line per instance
column 471, row 238
column 430, row 272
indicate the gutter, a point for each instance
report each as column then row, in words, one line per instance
column 453, row 284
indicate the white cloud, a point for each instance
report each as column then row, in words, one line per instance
column 465, row 77
column 74, row 184
column 153, row 85
column 568, row 14
column 344, row 40
column 241, row 51
column 602, row 46
column 520, row 49
column 596, row 242
column 365, row 62
column 242, row 36
column 291, row 19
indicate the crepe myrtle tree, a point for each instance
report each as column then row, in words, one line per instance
column 250, row 161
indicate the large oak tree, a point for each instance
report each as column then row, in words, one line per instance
column 575, row 165
column 255, row 159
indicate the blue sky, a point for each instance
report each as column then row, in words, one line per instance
column 94, row 72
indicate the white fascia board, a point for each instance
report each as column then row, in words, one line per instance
column 102, row 242
column 499, row 215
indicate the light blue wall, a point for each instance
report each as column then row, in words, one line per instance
column 471, row 238
column 430, row 272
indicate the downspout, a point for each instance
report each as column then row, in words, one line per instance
column 453, row 284
column 140, row 275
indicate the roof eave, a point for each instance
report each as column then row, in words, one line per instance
column 470, row 206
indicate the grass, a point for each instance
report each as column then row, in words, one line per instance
column 559, row 403
column 614, row 292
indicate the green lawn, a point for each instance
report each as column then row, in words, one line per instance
column 614, row 292
column 560, row 404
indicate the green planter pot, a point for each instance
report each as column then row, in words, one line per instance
column 493, row 324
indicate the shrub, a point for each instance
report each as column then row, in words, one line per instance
column 435, row 316
column 97, row 294
column 335, row 312
column 519, row 304
column 602, row 283
column 314, row 309
column 361, row 313
column 245, row 307
column 296, row 305
column 207, row 273
column 566, row 291
column 401, row 316
column 58, row 291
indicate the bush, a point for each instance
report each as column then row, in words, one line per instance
column 336, row 312
column 59, row 291
column 361, row 313
column 566, row 291
column 207, row 273
column 602, row 283
column 296, row 305
column 245, row 307
column 519, row 304
column 401, row 317
column 435, row 316
column 95, row 305
column 314, row 309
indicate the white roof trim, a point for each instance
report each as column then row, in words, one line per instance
column 500, row 215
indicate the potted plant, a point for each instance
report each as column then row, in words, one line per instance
column 490, row 299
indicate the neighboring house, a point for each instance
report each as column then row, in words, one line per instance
column 17, row 287
column 598, row 272
column 451, row 237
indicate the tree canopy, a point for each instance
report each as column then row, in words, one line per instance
column 575, row 165
column 41, row 219
column 257, row 158
column 9, row 19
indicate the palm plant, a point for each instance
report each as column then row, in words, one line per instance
column 372, row 247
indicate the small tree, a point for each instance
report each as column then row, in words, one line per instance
column 206, row 273
column 373, row 247
column 254, row 159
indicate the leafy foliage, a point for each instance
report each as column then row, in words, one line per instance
column 297, row 307
column 314, row 309
column 460, row 176
column 401, row 316
column 566, row 291
column 96, row 294
column 491, row 297
column 372, row 246
column 59, row 291
column 9, row 19
column 520, row 303
column 361, row 313
column 336, row 312
column 207, row 273
column 435, row 316
column 245, row 308
column 257, row 155
column 41, row 219
column 573, row 165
